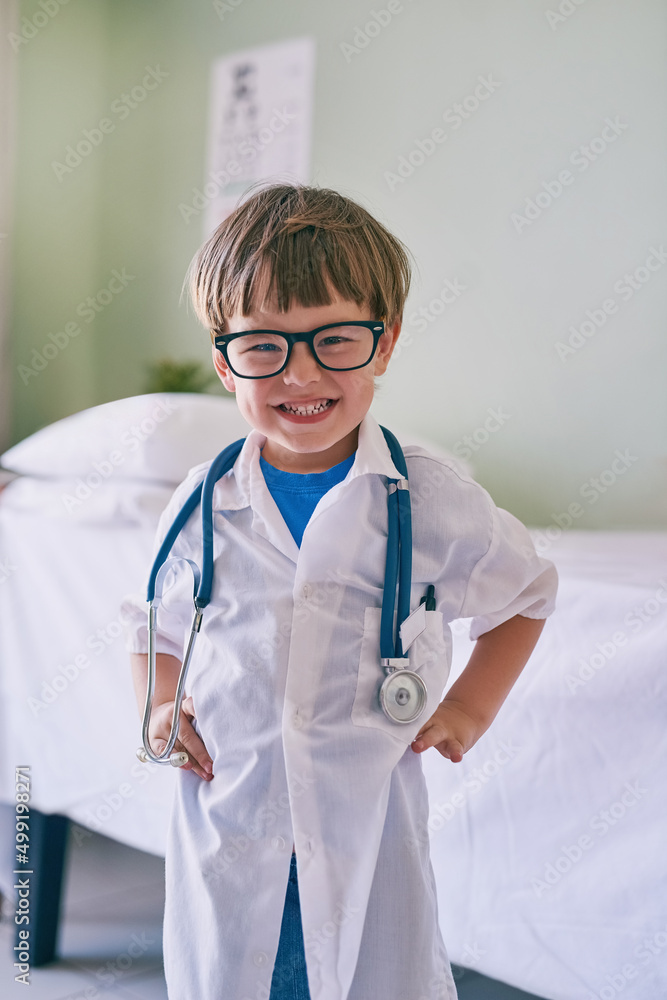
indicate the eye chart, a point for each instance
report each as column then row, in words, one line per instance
column 260, row 122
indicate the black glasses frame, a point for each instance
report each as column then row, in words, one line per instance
column 375, row 326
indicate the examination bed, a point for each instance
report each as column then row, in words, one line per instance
column 547, row 840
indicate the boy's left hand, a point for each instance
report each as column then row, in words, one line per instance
column 450, row 730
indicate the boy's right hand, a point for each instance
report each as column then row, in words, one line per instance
column 188, row 740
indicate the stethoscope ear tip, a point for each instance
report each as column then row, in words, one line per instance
column 175, row 759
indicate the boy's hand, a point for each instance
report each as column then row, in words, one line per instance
column 497, row 660
column 188, row 740
column 450, row 730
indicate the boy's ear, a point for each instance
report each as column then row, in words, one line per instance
column 386, row 345
column 222, row 370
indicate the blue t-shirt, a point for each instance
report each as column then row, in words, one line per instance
column 297, row 493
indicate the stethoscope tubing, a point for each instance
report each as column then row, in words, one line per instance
column 398, row 567
column 146, row 753
column 398, row 574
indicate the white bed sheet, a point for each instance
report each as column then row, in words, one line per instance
column 548, row 839
column 555, row 758
column 68, row 705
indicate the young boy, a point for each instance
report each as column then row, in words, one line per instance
column 291, row 754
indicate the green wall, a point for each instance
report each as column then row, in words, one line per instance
column 114, row 211
column 494, row 348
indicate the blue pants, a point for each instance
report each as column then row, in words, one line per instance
column 289, row 980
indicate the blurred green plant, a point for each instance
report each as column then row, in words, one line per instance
column 166, row 375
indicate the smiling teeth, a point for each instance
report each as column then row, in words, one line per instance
column 306, row 411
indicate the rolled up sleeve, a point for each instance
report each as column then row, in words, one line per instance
column 509, row 579
column 169, row 635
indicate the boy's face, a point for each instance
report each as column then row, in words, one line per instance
column 307, row 443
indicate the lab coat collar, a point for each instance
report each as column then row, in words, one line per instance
column 244, row 485
column 373, row 455
column 237, row 488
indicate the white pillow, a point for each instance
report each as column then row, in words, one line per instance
column 122, row 502
column 155, row 437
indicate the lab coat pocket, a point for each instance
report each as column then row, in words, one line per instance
column 430, row 657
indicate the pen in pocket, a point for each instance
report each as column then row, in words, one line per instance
column 429, row 598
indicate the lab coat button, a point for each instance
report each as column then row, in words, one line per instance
column 307, row 590
column 260, row 958
column 297, row 721
column 278, row 843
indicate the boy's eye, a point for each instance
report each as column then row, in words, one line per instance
column 343, row 335
column 263, row 347
column 259, row 345
column 334, row 338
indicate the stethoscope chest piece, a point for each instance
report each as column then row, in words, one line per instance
column 403, row 695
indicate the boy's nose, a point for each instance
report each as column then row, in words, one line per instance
column 302, row 367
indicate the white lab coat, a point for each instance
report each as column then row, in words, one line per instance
column 284, row 681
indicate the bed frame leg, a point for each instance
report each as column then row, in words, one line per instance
column 48, row 844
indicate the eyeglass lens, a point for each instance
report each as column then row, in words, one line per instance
column 257, row 354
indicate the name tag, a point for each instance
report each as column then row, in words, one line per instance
column 412, row 627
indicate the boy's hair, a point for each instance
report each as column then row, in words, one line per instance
column 288, row 244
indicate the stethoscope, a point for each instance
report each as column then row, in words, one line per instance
column 402, row 695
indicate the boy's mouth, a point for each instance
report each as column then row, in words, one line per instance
column 309, row 409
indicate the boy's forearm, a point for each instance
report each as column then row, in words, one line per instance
column 497, row 660
column 167, row 669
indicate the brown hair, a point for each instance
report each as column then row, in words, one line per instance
column 290, row 243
